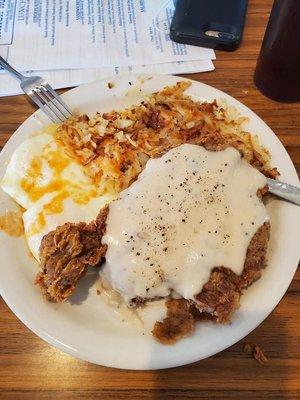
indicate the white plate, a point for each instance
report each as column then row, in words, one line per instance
column 88, row 328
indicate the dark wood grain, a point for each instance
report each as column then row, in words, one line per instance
column 31, row 369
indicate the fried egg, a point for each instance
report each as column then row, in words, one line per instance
column 51, row 186
column 38, row 221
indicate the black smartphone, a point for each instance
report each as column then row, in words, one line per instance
column 217, row 24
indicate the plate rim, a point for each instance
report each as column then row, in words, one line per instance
column 63, row 346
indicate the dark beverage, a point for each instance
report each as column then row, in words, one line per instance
column 277, row 73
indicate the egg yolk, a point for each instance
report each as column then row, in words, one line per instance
column 31, row 184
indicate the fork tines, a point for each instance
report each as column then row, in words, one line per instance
column 50, row 102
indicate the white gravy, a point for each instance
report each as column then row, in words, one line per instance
column 189, row 211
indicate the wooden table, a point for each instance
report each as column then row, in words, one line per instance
column 31, row 369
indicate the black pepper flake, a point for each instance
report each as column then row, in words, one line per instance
column 183, row 220
column 165, row 249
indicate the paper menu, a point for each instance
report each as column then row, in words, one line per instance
column 76, row 34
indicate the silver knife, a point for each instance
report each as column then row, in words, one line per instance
column 284, row 190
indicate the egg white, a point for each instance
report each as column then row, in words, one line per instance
column 40, row 146
column 19, row 163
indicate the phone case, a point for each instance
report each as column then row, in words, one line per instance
column 216, row 24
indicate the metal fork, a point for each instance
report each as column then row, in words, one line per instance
column 41, row 93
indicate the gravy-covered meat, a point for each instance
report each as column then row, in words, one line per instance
column 189, row 211
column 220, row 296
column 66, row 253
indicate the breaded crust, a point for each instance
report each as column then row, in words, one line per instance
column 178, row 323
column 66, row 253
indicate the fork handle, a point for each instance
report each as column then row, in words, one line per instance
column 285, row 190
column 10, row 69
